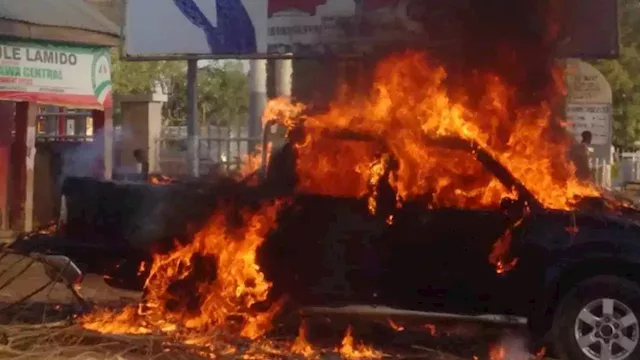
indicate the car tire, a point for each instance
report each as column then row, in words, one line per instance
column 598, row 315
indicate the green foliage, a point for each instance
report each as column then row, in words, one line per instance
column 624, row 76
column 136, row 77
column 223, row 89
column 223, row 95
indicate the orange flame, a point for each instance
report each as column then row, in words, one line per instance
column 239, row 283
column 431, row 328
column 219, row 280
column 358, row 351
column 499, row 255
column 301, row 345
column 160, row 180
column 497, row 352
column 410, row 100
column 395, row 326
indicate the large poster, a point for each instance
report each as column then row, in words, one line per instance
column 245, row 28
column 216, row 27
column 352, row 26
column 58, row 75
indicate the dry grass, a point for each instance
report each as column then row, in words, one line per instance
column 63, row 340
column 43, row 326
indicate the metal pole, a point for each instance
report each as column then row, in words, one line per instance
column 283, row 75
column 284, row 85
column 192, row 118
column 258, row 100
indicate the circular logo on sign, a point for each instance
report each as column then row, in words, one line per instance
column 101, row 76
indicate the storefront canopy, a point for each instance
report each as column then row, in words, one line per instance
column 68, row 21
column 56, row 52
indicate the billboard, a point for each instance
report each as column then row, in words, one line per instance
column 215, row 27
column 275, row 28
column 73, row 76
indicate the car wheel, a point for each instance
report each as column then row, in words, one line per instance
column 598, row 320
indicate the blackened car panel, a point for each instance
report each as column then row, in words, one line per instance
column 324, row 251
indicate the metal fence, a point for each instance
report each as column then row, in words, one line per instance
column 223, row 148
column 624, row 169
column 219, row 148
column 601, row 173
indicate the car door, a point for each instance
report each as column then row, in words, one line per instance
column 443, row 258
column 323, row 251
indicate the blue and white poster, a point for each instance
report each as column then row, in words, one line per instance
column 197, row 27
column 242, row 28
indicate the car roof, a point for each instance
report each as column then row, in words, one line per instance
column 483, row 155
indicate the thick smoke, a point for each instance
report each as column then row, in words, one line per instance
column 84, row 160
column 516, row 40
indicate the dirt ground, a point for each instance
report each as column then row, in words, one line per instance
column 434, row 340
column 93, row 287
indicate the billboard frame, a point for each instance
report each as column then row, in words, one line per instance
column 274, row 56
column 289, row 56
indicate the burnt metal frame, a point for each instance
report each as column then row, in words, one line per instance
column 450, row 142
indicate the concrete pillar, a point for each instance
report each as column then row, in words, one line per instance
column 7, row 112
column 257, row 100
column 103, row 135
column 284, row 77
column 142, row 126
column 23, row 153
column 193, row 128
column 283, row 73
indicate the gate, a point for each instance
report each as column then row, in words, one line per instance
column 220, row 148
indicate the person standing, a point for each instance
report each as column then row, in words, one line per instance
column 581, row 154
column 142, row 163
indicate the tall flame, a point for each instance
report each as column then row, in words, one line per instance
column 199, row 286
column 409, row 100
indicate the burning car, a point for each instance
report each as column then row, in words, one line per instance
column 571, row 272
column 405, row 199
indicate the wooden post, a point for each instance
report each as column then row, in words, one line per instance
column 103, row 132
column 23, row 153
column 7, row 109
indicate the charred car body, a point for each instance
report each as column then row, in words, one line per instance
column 574, row 275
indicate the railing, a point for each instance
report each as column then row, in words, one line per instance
column 225, row 148
column 222, row 150
column 601, row 173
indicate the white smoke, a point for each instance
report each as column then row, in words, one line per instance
column 86, row 160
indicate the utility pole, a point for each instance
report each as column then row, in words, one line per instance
column 283, row 74
column 192, row 118
column 257, row 100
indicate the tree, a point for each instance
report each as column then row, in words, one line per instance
column 223, row 95
column 223, row 88
column 623, row 75
column 136, row 77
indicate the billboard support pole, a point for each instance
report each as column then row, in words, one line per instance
column 257, row 101
column 192, row 118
